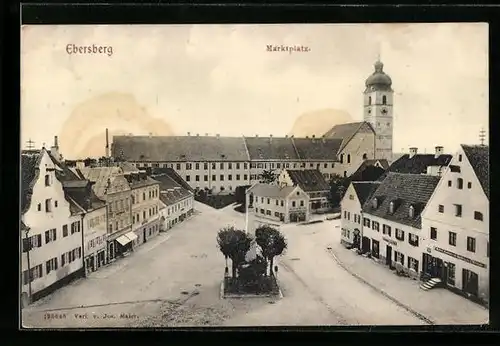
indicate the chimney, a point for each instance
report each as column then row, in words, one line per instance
column 54, row 150
column 307, row 136
column 256, row 135
column 107, row 143
column 413, row 151
column 80, row 164
column 197, row 135
column 286, row 136
column 313, row 136
column 439, row 151
column 217, row 135
column 206, row 134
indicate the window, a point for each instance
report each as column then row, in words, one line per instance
column 188, row 166
column 449, row 183
column 478, row 216
column 460, row 183
column 39, row 207
column 48, row 205
column 245, row 176
column 230, row 177
column 188, row 178
column 268, row 212
column 262, row 211
column 460, row 158
column 65, row 230
column 47, row 180
column 375, row 225
column 400, row 234
column 213, row 177
column 213, row 165
column 36, row 272
column 205, row 177
column 51, row 265
column 50, row 235
column 301, row 203
column 366, row 222
column 458, row 210
column 282, row 203
column 441, row 208
column 237, row 177
column 197, row 177
column 412, row 264
column 178, row 166
column 413, row 239
column 293, row 204
column 384, row 100
column 399, row 257
column 369, row 100
column 348, row 158
column 221, row 177
column 386, row 230
column 434, row 233
column 262, row 200
column 469, row 185
column 471, row 244
column 221, row 166
column 451, row 274
column 452, row 238
column 268, row 200
column 75, row 227
column 341, row 158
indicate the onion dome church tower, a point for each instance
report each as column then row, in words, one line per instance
column 378, row 104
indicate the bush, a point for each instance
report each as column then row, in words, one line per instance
column 215, row 201
column 264, row 285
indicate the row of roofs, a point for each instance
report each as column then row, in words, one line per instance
column 85, row 188
column 402, row 193
column 219, row 148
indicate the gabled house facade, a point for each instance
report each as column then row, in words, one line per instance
column 312, row 182
column 277, row 204
column 51, row 227
column 392, row 220
column 352, row 215
column 456, row 225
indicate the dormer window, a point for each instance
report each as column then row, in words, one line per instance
column 411, row 211
column 391, row 208
column 375, row 203
column 47, row 180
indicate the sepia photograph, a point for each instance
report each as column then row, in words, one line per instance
column 254, row 175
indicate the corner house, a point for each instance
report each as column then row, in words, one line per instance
column 275, row 203
column 457, row 225
column 392, row 220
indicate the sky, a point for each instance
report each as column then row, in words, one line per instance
column 219, row 79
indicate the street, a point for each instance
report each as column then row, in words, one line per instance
column 174, row 280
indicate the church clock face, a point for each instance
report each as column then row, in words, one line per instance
column 384, row 111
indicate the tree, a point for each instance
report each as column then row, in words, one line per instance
column 268, row 177
column 338, row 187
column 224, row 242
column 272, row 243
column 233, row 244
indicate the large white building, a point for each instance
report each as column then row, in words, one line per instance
column 456, row 225
column 51, row 225
column 392, row 220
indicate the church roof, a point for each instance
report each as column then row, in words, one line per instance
column 317, row 148
column 346, row 131
column 479, row 158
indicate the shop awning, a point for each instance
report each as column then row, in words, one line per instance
column 131, row 235
column 123, row 240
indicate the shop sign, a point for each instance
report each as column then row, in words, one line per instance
column 390, row 241
column 460, row 257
